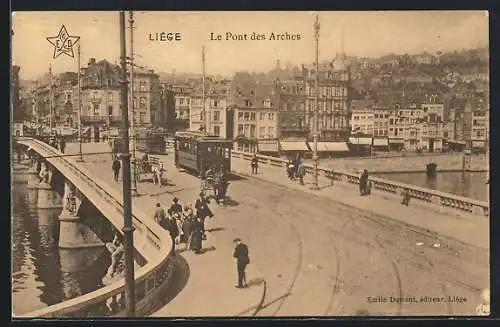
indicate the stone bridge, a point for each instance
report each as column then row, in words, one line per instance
column 64, row 184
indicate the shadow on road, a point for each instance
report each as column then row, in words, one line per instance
column 255, row 281
column 179, row 279
column 217, row 229
column 234, row 177
column 209, row 249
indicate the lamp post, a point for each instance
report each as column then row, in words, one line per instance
column 133, row 189
column 316, row 94
column 128, row 228
column 79, row 108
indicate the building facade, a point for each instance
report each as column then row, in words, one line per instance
column 333, row 99
column 212, row 116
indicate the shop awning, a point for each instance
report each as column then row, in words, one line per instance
column 381, row 142
column 478, row 144
column 455, row 142
column 396, row 141
column 361, row 140
column 330, row 146
column 269, row 146
column 293, row 146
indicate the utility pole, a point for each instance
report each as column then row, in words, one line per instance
column 203, row 90
column 79, row 108
column 316, row 94
column 50, row 98
column 133, row 189
column 128, row 228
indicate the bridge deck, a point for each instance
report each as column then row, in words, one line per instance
column 194, row 273
column 320, row 257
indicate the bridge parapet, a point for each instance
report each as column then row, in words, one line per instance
column 457, row 202
column 150, row 240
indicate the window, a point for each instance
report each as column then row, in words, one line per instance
column 216, row 116
column 252, row 131
column 142, row 86
column 262, row 132
column 217, row 130
column 262, row 116
column 240, row 115
column 110, row 97
column 246, row 130
column 248, row 103
column 181, row 101
column 240, row 129
column 246, row 116
column 187, row 101
column 142, row 117
column 270, row 132
column 252, row 116
column 202, row 116
column 110, row 110
column 270, row 116
column 215, row 103
column 96, row 109
column 142, row 102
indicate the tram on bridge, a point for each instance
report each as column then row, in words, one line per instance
column 196, row 152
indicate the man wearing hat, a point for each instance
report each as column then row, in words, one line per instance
column 203, row 211
column 176, row 207
column 242, row 260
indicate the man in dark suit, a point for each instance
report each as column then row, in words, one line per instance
column 203, row 211
column 254, row 164
column 242, row 260
column 176, row 207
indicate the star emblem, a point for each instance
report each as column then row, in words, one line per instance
column 63, row 43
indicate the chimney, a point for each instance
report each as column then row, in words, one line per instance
column 91, row 62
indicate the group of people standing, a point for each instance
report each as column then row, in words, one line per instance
column 295, row 169
column 57, row 141
column 184, row 224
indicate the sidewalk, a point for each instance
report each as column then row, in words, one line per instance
column 451, row 223
column 210, row 289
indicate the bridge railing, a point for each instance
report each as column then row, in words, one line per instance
column 423, row 194
column 150, row 240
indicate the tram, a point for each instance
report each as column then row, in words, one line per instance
column 150, row 141
column 197, row 152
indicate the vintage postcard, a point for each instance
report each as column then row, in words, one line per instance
column 239, row 164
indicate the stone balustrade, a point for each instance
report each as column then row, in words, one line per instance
column 151, row 242
column 457, row 202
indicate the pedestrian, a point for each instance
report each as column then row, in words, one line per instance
column 145, row 163
column 363, row 181
column 255, row 164
column 296, row 163
column 242, row 260
column 179, row 221
column 160, row 214
column 405, row 197
column 176, row 207
column 171, row 225
column 196, row 238
column 301, row 172
column 116, row 168
column 202, row 212
column 290, row 170
column 62, row 144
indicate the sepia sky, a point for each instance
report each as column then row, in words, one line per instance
column 365, row 34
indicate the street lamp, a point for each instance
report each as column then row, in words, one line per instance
column 316, row 94
column 132, row 102
column 128, row 228
column 79, row 108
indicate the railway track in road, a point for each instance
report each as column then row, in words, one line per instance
column 390, row 241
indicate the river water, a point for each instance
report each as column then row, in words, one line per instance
column 467, row 184
column 43, row 274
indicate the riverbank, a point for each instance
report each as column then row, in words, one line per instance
column 406, row 163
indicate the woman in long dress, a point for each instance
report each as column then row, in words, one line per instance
column 196, row 242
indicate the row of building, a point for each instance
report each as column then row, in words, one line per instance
column 253, row 112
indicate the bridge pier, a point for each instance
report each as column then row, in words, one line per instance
column 33, row 178
column 47, row 198
column 73, row 233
